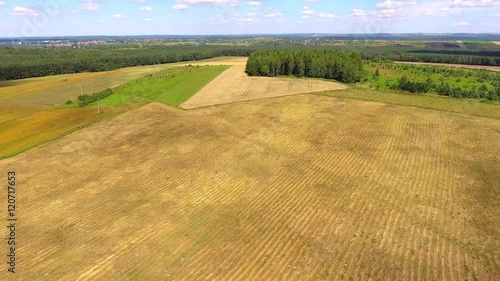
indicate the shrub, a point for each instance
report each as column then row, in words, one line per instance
column 85, row 100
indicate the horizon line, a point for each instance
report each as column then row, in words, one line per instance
column 261, row 34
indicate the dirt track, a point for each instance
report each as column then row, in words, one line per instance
column 234, row 85
column 294, row 188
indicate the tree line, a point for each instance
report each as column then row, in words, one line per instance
column 434, row 58
column 18, row 63
column 84, row 100
column 344, row 66
column 444, row 89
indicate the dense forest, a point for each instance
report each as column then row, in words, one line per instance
column 18, row 63
column 344, row 66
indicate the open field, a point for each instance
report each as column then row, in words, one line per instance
column 435, row 102
column 27, row 117
column 302, row 187
column 28, row 127
column 235, row 85
column 171, row 86
column 486, row 67
column 54, row 90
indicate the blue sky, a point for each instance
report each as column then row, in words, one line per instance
column 142, row 17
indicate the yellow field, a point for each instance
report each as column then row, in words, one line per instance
column 234, row 85
column 28, row 127
column 54, row 90
column 303, row 187
column 442, row 103
column 26, row 114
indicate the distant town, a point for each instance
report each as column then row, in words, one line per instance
column 84, row 42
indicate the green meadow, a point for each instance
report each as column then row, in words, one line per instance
column 172, row 86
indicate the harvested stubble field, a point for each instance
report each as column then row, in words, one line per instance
column 54, row 90
column 302, row 187
column 27, row 114
column 235, row 85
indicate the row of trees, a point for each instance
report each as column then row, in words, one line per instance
column 482, row 92
column 444, row 89
column 471, row 59
column 405, row 84
column 19, row 63
column 84, row 100
column 344, row 66
column 482, row 75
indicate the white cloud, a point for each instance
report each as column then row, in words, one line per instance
column 219, row 3
column 23, row 11
column 147, row 19
column 180, row 7
column 388, row 4
column 117, row 17
column 462, row 23
column 308, row 11
column 273, row 15
column 475, row 3
column 326, row 16
column 358, row 13
column 414, row 8
column 2, row 3
column 89, row 5
column 254, row 3
column 146, row 9
column 494, row 15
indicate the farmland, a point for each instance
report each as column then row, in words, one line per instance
column 29, row 117
column 434, row 102
column 53, row 90
column 31, row 108
column 27, row 127
column 302, row 187
column 28, row 104
column 196, row 171
column 234, row 86
column 172, row 86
